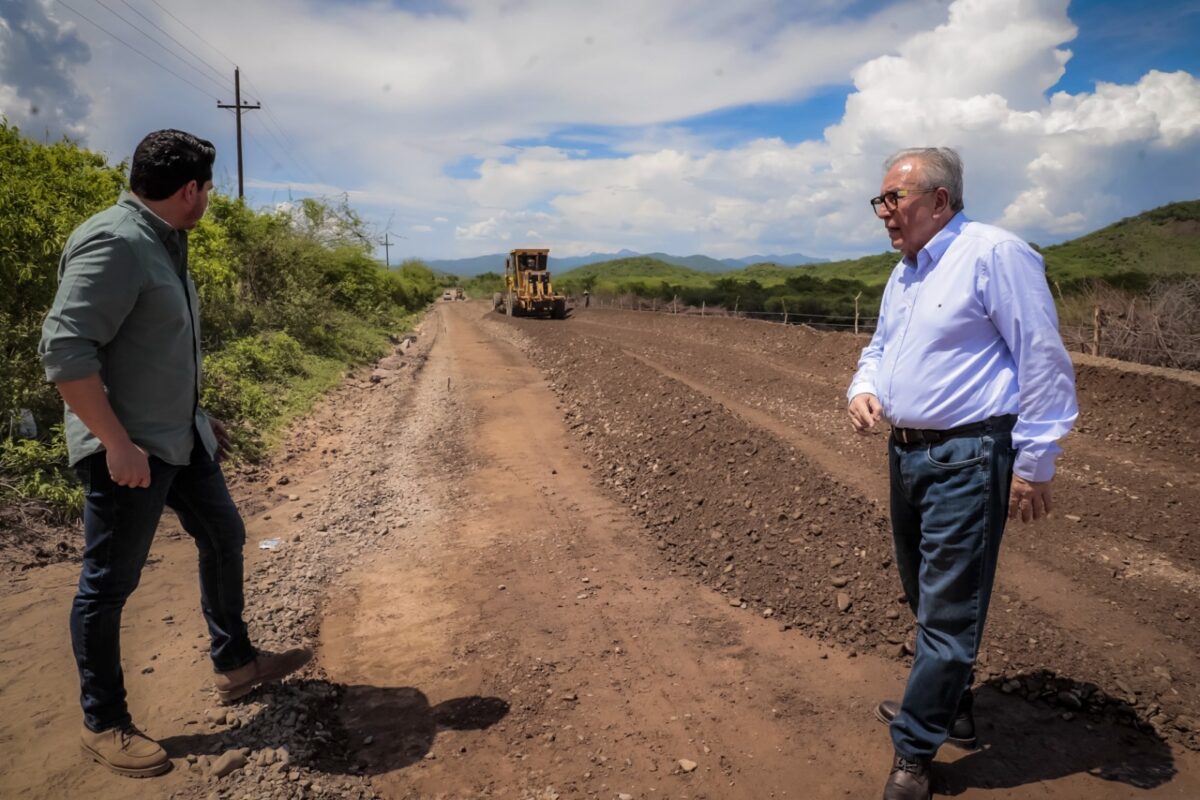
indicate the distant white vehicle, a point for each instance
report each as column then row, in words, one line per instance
column 447, row 295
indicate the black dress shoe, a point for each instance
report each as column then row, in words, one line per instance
column 962, row 730
column 910, row 780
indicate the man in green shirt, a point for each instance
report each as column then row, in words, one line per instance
column 122, row 345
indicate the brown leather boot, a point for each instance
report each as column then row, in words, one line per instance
column 910, row 780
column 265, row 668
column 125, row 750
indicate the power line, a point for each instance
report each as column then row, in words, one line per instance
column 297, row 157
column 307, row 165
column 302, row 163
column 287, row 154
column 258, row 143
column 112, row 35
column 274, row 119
column 198, row 36
column 161, row 46
column 238, row 107
column 170, row 36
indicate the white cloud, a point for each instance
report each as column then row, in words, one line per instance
column 399, row 97
column 37, row 57
column 421, row 228
column 1047, row 168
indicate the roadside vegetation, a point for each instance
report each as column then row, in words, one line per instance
column 290, row 299
column 483, row 286
column 1134, row 286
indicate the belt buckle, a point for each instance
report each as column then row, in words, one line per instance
column 903, row 435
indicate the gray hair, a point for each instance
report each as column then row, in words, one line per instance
column 940, row 166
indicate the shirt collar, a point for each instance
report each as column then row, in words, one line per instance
column 933, row 251
column 159, row 225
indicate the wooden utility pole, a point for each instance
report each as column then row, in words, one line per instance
column 238, row 106
column 387, row 252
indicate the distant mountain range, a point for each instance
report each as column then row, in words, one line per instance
column 468, row 267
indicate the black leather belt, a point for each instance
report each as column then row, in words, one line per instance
column 923, row 436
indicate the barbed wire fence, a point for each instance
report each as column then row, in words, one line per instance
column 1162, row 329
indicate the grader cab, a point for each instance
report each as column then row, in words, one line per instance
column 527, row 287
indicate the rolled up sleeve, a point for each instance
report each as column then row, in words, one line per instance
column 97, row 289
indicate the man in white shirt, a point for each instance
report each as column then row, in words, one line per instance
column 968, row 368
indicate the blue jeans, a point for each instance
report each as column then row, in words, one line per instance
column 949, row 503
column 118, row 526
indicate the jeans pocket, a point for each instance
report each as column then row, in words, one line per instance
column 958, row 453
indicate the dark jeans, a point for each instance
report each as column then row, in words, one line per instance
column 949, row 503
column 118, row 526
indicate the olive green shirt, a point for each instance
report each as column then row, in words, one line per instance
column 126, row 308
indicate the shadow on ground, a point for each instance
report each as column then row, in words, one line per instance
column 402, row 725
column 1027, row 741
column 370, row 730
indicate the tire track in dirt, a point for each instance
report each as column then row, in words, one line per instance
column 1106, row 545
column 1045, row 615
column 541, row 594
column 1055, row 594
column 494, row 621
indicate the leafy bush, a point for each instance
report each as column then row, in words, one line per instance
column 31, row 469
column 45, row 192
column 288, row 298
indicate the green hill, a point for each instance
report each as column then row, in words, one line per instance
column 642, row 269
column 1160, row 242
column 700, row 263
column 871, row 270
column 767, row 273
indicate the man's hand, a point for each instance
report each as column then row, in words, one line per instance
column 865, row 411
column 224, row 443
column 128, row 465
column 1028, row 500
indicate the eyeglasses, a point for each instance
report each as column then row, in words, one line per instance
column 891, row 200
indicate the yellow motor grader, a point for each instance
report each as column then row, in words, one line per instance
column 527, row 287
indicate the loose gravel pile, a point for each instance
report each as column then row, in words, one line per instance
column 287, row 742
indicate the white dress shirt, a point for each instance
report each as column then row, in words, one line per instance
column 968, row 331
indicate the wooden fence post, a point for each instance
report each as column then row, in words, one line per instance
column 785, row 316
column 856, row 312
column 702, row 304
column 736, row 300
column 675, row 305
column 1096, row 330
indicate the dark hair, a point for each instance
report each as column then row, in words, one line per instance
column 166, row 161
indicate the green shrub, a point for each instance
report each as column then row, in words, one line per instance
column 288, row 299
column 31, row 469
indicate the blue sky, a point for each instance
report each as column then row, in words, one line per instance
column 1119, row 42
column 470, row 127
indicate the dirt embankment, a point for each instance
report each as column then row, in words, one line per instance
column 727, row 438
column 677, row 583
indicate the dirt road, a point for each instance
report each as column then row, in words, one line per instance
column 602, row 558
